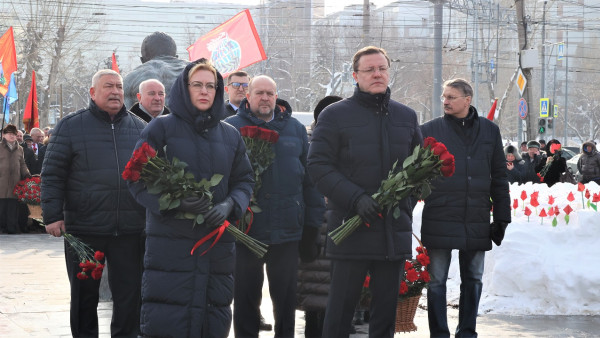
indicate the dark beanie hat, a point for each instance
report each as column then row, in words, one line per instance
column 10, row 128
column 533, row 144
column 327, row 100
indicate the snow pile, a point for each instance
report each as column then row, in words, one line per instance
column 540, row 269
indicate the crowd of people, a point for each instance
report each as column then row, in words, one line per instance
column 312, row 186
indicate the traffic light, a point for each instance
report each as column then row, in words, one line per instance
column 550, row 123
column 542, row 125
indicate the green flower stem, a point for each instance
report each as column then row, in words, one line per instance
column 257, row 247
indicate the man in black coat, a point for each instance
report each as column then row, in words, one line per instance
column 151, row 100
column 83, row 194
column 457, row 213
column 355, row 143
column 236, row 89
column 532, row 162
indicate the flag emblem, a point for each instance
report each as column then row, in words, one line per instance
column 226, row 53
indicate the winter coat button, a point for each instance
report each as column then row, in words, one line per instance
column 268, row 196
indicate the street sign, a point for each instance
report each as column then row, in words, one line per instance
column 561, row 51
column 521, row 81
column 555, row 110
column 544, row 107
column 522, row 109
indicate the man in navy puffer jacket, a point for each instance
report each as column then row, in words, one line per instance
column 83, row 194
column 292, row 212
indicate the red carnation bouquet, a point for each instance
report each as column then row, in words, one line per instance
column 416, row 277
column 28, row 190
column 414, row 178
column 90, row 262
column 259, row 148
column 172, row 183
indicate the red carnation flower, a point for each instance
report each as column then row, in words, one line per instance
column 403, row 288
column 82, row 276
column 99, row 255
column 97, row 274
column 412, row 275
column 407, row 265
column 423, row 259
column 367, row 281
column 425, row 276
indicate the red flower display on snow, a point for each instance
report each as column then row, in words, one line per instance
column 570, row 197
column 535, row 194
column 523, row 195
column 556, row 210
column 550, row 199
column 587, row 194
column 534, row 202
column 550, row 211
column 527, row 211
column 596, row 198
column 515, row 203
column 580, row 186
column 568, row 209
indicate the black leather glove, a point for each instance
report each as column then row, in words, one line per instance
column 309, row 247
column 194, row 205
column 497, row 230
column 367, row 208
column 219, row 213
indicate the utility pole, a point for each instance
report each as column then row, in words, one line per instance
column 566, row 87
column 530, row 130
column 543, row 84
column 438, row 20
column 366, row 23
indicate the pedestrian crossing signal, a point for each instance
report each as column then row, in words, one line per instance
column 542, row 125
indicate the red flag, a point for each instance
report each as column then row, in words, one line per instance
column 492, row 111
column 115, row 66
column 233, row 45
column 30, row 115
column 8, row 59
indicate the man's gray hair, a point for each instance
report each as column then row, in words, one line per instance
column 103, row 72
column 144, row 83
column 460, row 84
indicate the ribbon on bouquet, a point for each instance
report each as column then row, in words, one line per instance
column 218, row 232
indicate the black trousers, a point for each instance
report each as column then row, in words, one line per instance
column 282, row 269
column 9, row 215
column 347, row 277
column 124, row 255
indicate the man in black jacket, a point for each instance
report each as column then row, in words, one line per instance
column 355, row 143
column 457, row 213
column 237, row 88
column 83, row 194
column 151, row 100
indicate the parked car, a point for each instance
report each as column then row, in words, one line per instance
column 572, row 166
column 568, row 153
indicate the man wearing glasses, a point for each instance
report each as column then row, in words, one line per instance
column 456, row 215
column 237, row 87
column 354, row 146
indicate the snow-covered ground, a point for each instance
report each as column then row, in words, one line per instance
column 540, row 268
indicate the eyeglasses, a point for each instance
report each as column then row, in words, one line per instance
column 237, row 85
column 372, row 70
column 450, row 98
column 197, row 86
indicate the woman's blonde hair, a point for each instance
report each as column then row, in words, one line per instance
column 203, row 66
